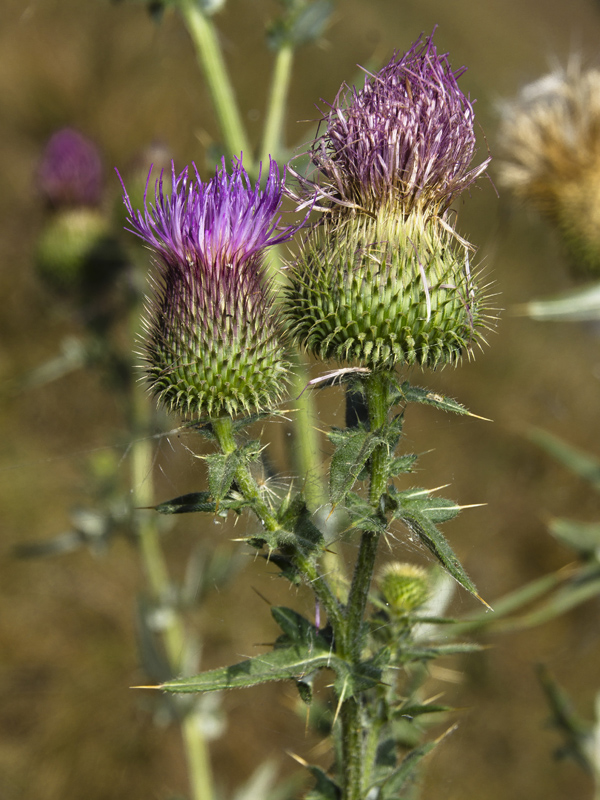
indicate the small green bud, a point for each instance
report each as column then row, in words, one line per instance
column 68, row 244
column 405, row 587
column 395, row 289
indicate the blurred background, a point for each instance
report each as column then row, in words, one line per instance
column 70, row 726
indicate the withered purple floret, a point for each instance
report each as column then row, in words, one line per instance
column 406, row 139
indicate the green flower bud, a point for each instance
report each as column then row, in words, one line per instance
column 394, row 289
column 68, row 246
column 405, row 587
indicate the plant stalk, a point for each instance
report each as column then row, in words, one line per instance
column 272, row 143
column 223, row 430
column 173, row 632
column 209, row 55
column 353, row 726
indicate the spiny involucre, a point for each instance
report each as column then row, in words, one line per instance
column 383, row 278
column 213, row 339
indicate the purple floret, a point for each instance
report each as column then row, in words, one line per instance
column 70, row 171
column 222, row 222
column 405, row 139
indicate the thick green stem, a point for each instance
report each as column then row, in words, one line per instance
column 272, row 144
column 210, row 58
column 353, row 726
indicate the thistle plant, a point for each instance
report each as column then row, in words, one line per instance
column 382, row 279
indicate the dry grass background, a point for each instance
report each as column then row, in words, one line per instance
column 69, row 725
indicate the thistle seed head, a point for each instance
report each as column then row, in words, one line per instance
column 550, row 138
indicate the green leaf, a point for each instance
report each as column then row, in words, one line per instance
column 413, row 654
column 187, row 504
column 401, row 465
column 297, row 528
column 362, row 515
column 353, row 448
column 280, row 664
column 223, row 466
column 420, row 524
column 584, row 537
column 436, row 509
column 581, row 463
column 353, row 679
column 421, row 709
column 297, row 629
column 325, row 788
column 415, row 394
column 394, row 785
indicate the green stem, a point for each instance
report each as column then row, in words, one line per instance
column 307, row 453
column 354, row 753
column 223, row 430
column 210, row 58
column 173, row 632
column 272, row 143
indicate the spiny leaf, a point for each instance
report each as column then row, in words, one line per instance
column 420, row 524
column 325, row 788
column 187, row 504
column 415, row 394
column 283, row 663
column 362, row 515
column 354, row 447
column 394, row 784
column 222, row 468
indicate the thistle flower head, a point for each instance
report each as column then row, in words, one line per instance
column 382, row 278
column 550, row 137
column 70, row 171
column 405, row 140
column 213, row 342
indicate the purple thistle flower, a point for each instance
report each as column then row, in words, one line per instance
column 70, row 170
column 213, row 343
column 405, row 140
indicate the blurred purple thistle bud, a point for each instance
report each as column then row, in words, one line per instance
column 213, row 344
column 70, row 171
column 383, row 278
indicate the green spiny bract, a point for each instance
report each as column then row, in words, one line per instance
column 217, row 358
column 404, row 587
column 396, row 289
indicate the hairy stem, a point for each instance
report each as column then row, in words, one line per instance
column 353, row 725
column 223, row 430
